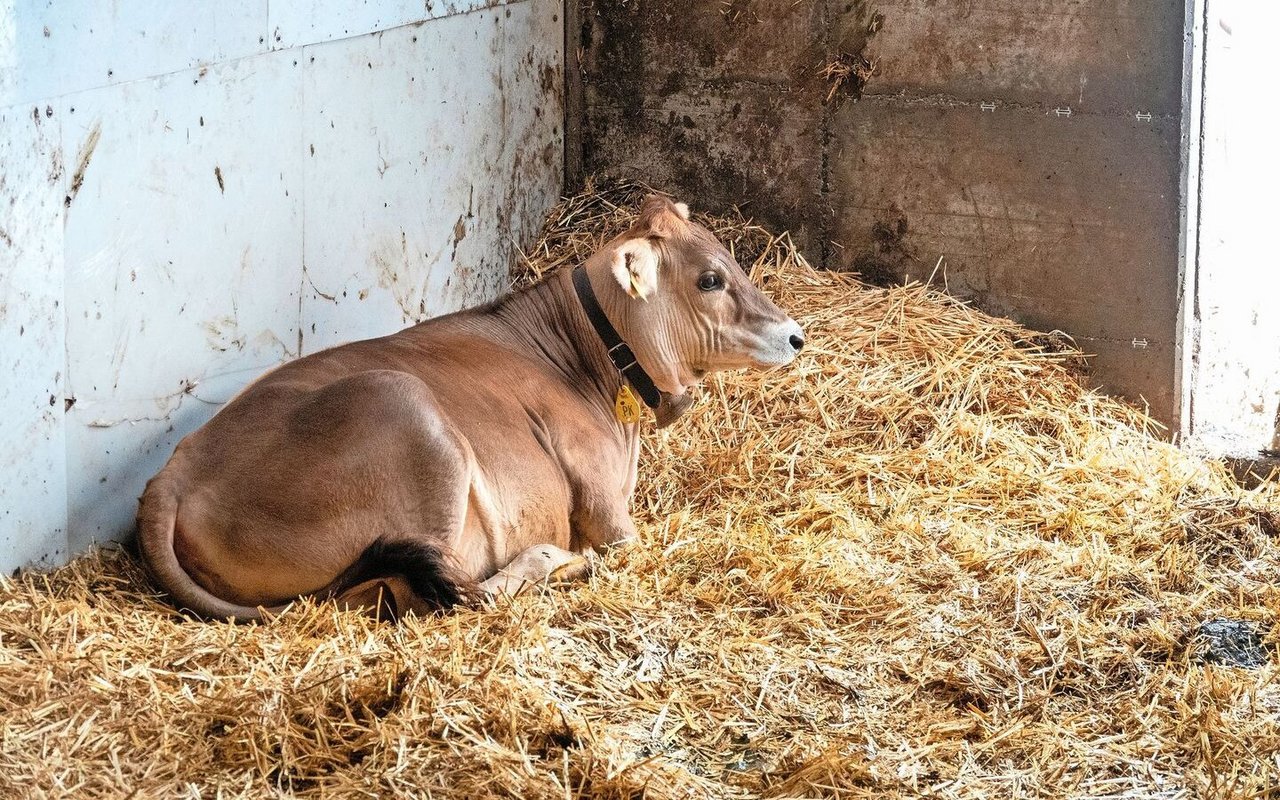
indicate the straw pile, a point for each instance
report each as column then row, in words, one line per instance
column 923, row 562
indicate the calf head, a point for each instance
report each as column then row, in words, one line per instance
column 685, row 307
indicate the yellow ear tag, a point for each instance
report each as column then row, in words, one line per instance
column 626, row 406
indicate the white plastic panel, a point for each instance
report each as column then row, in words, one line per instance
column 183, row 247
column 530, row 172
column 444, row 154
column 302, row 22
column 1233, row 331
column 33, row 509
column 58, row 48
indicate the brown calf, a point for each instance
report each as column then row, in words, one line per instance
column 472, row 454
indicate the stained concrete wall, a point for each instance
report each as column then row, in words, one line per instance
column 1029, row 152
column 191, row 193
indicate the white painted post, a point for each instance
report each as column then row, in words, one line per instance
column 1229, row 368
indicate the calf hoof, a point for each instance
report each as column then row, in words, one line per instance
column 540, row 565
column 546, row 563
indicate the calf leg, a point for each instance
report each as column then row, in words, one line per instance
column 542, row 564
column 603, row 527
column 389, row 597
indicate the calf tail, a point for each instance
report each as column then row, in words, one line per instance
column 157, row 516
column 435, row 582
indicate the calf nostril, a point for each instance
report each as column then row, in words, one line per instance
column 797, row 341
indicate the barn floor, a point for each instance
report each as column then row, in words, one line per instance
column 924, row 562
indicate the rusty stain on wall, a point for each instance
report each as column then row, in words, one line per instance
column 399, row 273
column 83, row 159
column 887, row 255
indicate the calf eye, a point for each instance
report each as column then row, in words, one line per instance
column 710, row 281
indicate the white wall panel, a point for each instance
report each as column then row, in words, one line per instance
column 440, row 151
column 183, row 247
column 33, row 508
column 301, row 22
column 418, row 133
column 533, row 114
column 57, row 48
column 1231, row 371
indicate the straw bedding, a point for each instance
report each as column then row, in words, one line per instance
column 923, row 562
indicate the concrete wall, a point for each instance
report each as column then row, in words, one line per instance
column 191, row 193
column 1033, row 147
column 1230, row 375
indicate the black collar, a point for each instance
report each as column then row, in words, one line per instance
column 619, row 353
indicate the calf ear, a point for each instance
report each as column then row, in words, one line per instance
column 635, row 267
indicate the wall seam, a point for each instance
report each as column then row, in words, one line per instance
column 303, row 278
column 1187, row 346
column 67, row 389
column 574, row 96
column 826, row 220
